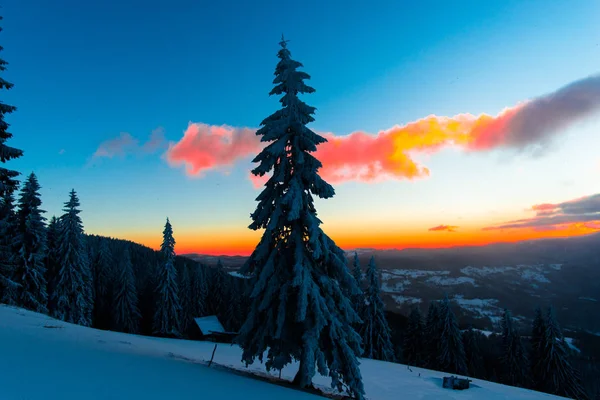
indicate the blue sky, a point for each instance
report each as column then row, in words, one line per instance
column 86, row 71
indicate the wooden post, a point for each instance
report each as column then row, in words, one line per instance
column 213, row 355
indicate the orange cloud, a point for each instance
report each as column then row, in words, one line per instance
column 445, row 228
column 364, row 157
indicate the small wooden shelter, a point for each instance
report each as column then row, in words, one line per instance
column 453, row 382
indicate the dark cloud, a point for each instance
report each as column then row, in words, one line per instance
column 584, row 209
column 444, row 228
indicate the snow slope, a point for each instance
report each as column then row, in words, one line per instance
column 41, row 358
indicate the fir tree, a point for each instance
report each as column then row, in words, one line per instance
column 376, row 332
column 537, row 341
column 8, row 249
column 199, row 292
column 166, row 318
column 299, row 304
column 451, row 353
column 127, row 314
column 186, row 299
column 432, row 333
column 558, row 376
column 72, row 295
column 473, row 358
column 414, row 339
column 358, row 299
column 513, row 359
column 52, row 261
column 8, row 183
column 30, row 271
column 233, row 310
column 218, row 304
column 103, row 272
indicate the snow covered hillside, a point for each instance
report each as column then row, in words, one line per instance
column 43, row 358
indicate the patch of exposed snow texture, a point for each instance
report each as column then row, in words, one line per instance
column 571, row 345
column 556, row 267
column 448, row 281
column 483, row 271
column 72, row 362
column 238, row 275
column 534, row 276
column 395, row 287
column 406, row 299
column 587, row 298
column 415, row 273
column 484, row 308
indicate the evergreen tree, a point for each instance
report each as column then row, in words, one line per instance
column 451, row 353
column 299, row 304
column 52, row 261
column 8, row 183
column 514, row 360
column 199, row 292
column 127, row 314
column 103, row 286
column 358, row 299
column 73, row 297
column 233, row 316
column 30, row 271
column 8, row 249
column 166, row 318
column 376, row 332
column 414, row 339
column 186, row 299
column 473, row 358
column 432, row 333
column 558, row 376
column 218, row 304
column 538, row 337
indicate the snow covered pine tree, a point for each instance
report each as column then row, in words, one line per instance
column 166, row 317
column 8, row 183
column 376, row 332
column 30, row 271
column 451, row 353
column 8, row 248
column 299, row 307
column 72, row 293
column 514, row 360
column 127, row 314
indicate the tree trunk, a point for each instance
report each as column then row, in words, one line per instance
column 298, row 378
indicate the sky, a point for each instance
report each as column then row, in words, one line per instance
column 448, row 123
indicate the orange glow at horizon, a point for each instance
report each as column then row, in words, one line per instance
column 242, row 242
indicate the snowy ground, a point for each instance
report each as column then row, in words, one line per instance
column 42, row 358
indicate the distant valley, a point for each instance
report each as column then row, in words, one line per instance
column 484, row 280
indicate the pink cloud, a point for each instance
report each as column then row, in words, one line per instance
column 207, row 147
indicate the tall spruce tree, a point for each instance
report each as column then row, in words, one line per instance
column 432, row 334
column 473, row 358
column 200, row 292
column 30, row 270
column 104, row 275
column 186, row 299
column 451, row 353
column 126, row 312
column 358, row 299
column 558, row 376
column 376, row 332
column 299, row 305
column 8, row 249
column 537, row 342
column 218, row 289
column 513, row 359
column 73, row 292
column 52, row 261
column 8, row 181
column 414, row 339
column 166, row 317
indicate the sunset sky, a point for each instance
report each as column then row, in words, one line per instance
column 449, row 123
